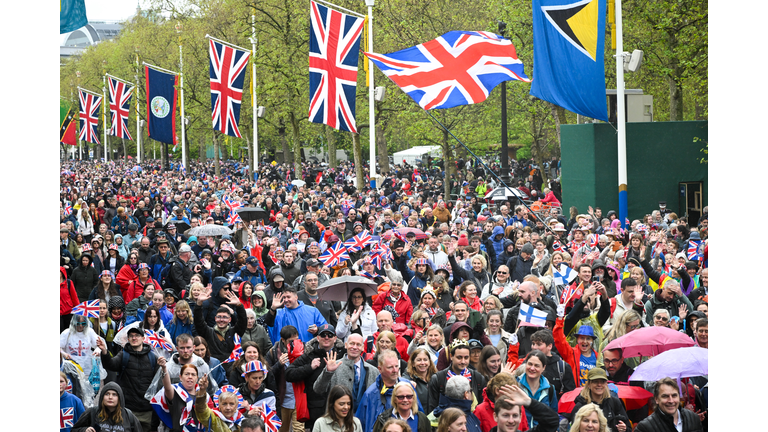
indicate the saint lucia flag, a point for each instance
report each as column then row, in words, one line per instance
column 71, row 15
column 568, row 60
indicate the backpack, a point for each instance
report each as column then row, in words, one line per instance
column 126, row 357
column 165, row 273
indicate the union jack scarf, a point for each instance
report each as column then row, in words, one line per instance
column 465, row 373
column 368, row 275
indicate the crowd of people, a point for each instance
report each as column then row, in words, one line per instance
column 480, row 315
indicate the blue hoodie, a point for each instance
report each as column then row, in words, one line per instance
column 473, row 423
column 498, row 244
column 301, row 317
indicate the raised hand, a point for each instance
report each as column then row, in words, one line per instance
column 232, row 298
column 277, row 300
column 203, row 382
column 682, row 311
column 331, row 364
column 515, row 394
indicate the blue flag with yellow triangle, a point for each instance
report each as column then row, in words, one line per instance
column 568, row 55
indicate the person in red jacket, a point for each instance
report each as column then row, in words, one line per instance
column 385, row 323
column 484, row 411
column 136, row 287
column 581, row 358
column 396, row 302
column 67, row 299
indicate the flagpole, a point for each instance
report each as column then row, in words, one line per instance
column 371, row 113
column 621, row 119
column 181, row 86
column 104, row 112
column 253, row 96
column 138, row 117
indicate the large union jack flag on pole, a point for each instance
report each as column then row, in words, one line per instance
column 119, row 108
column 228, row 67
column 457, row 68
column 334, row 43
column 89, row 116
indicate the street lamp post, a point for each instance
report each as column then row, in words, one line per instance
column 504, row 149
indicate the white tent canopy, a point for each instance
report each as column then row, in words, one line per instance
column 409, row 156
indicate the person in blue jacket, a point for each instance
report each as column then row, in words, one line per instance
column 182, row 321
column 306, row 319
column 378, row 397
column 70, row 406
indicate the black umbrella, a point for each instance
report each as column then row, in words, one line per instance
column 180, row 226
column 338, row 289
column 248, row 214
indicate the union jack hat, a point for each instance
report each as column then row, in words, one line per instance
column 113, row 247
column 254, row 366
column 314, row 243
column 227, row 247
column 478, row 229
column 421, row 261
column 340, row 221
column 87, row 247
column 228, row 389
column 641, row 228
column 106, row 273
column 143, row 266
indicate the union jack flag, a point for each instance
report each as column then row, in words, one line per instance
column 271, row 421
column 693, row 250
column 234, row 218
column 89, row 117
column 557, row 247
column 335, row 255
column 231, row 205
column 568, row 292
column 67, row 417
column 358, row 242
column 68, row 209
column 236, row 352
column 88, row 309
column 227, row 75
column 457, row 68
column 592, row 240
column 334, row 43
column 119, row 108
column 156, row 340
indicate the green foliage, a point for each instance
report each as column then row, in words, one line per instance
column 673, row 35
column 704, row 150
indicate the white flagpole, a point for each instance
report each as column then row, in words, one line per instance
column 104, row 113
column 253, row 96
column 621, row 118
column 138, row 117
column 183, row 119
column 371, row 113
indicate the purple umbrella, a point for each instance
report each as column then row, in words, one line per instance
column 677, row 363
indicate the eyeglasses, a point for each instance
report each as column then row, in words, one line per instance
column 357, row 297
column 633, row 327
column 501, row 272
column 608, row 361
column 326, row 335
column 404, row 397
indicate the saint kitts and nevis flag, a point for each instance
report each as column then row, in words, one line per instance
column 67, row 124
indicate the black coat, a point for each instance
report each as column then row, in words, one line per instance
column 440, row 379
column 662, row 422
column 221, row 348
column 301, row 370
column 136, row 378
column 613, row 410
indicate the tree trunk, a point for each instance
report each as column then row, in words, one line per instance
column 381, row 144
column 330, row 137
column 558, row 113
column 448, row 166
column 185, row 148
column 125, row 149
column 201, row 148
column 216, row 156
column 674, row 80
column 296, row 155
column 250, row 164
column 283, row 141
column 357, row 150
column 163, row 155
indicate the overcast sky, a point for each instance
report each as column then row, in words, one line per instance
column 110, row 10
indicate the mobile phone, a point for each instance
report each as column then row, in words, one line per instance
column 595, row 278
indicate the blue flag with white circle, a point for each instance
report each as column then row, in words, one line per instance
column 161, row 105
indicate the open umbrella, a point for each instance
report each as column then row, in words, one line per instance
column 210, row 230
column 504, row 194
column 298, row 183
column 338, row 289
column 650, row 341
column 180, row 226
column 404, row 232
column 633, row 397
column 248, row 214
column 676, row 363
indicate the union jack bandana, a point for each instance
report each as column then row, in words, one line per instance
column 368, row 275
column 465, row 373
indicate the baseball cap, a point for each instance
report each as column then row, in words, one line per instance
column 252, row 260
column 475, row 344
column 597, row 373
column 185, row 248
column 326, row 328
column 312, row 262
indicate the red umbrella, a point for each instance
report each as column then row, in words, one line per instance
column 633, row 398
column 404, row 232
column 650, row 341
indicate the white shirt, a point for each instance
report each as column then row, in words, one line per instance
column 679, row 424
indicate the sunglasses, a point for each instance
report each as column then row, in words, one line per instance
column 326, row 335
column 404, row 397
column 81, row 324
column 662, row 319
column 501, row 272
column 398, row 284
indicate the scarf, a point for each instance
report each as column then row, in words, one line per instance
column 394, row 299
column 465, row 373
column 234, row 421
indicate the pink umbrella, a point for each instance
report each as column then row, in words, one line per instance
column 404, row 232
column 650, row 341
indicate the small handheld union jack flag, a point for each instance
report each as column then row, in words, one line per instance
column 557, row 247
column 67, row 417
column 358, row 242
column 335, row 255
column 88, row 309
column 156, row 340
column 236, row 352
column 693, row 250
column 271, row 421
column 68, row 209
column 231, row 205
